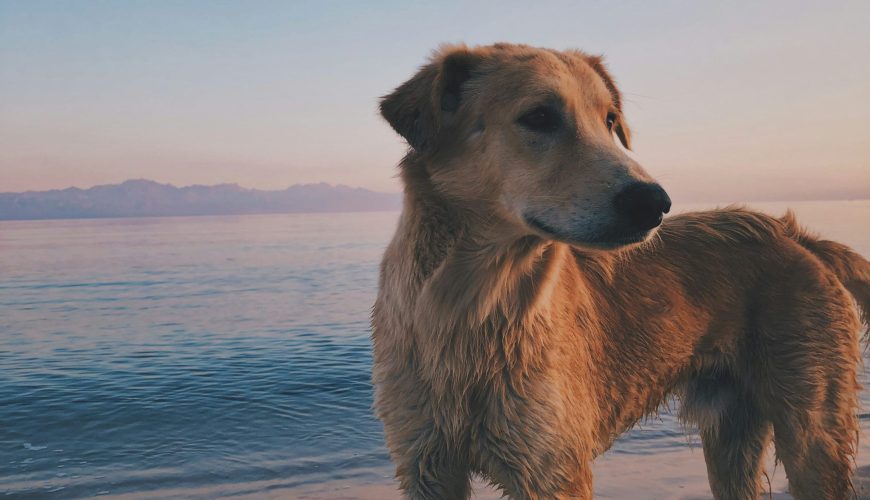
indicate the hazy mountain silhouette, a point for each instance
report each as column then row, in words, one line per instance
column 145, row 198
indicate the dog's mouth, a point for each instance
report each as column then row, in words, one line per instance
column 543, row 227
column 608, row 241
column 622, row 240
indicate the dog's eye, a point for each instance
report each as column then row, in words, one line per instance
column 610, row 120
column 541, row 119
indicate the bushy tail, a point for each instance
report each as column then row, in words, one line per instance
column 851, row 269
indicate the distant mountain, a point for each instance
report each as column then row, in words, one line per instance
column 144, row 198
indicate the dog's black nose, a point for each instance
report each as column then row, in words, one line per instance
column 642, row 204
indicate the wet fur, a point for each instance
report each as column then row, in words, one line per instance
column 521, row 358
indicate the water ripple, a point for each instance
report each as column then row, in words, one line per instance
column 214, row 356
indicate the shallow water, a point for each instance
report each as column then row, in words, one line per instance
column 214, row 355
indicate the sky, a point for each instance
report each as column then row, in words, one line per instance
column 728, row 101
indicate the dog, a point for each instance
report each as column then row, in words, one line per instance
column 533, row 305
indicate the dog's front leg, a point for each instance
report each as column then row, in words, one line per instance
column 428, row 469
column 553, row 481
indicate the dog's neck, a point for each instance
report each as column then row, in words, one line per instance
column 478, row 286
column 449, row 233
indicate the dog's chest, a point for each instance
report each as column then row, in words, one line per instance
column 480, row 373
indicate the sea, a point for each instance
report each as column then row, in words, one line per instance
column 202, row 357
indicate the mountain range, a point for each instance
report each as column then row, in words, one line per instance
column 145, row 198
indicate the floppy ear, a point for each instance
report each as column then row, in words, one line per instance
column 620, row 127
column 418, row 108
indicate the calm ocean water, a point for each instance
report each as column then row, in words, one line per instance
column 213, row 356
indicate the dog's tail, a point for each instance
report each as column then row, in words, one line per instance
column 851, row 269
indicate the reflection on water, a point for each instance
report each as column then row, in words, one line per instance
column 212, row 354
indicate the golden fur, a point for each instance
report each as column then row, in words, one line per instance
column 521, row 351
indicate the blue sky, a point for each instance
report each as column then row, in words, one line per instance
column 731, row 101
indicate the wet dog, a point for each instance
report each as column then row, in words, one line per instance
column 533, row 305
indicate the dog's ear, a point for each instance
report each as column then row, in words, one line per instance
column 419, row 107
column 620, row 127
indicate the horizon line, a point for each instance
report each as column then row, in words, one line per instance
column 689, row 200
column 176, row 186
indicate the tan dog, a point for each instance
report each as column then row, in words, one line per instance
column 521, row 325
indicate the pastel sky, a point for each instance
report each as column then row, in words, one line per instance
column 727, row 100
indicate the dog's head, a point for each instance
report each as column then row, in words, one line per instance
column 528, row 137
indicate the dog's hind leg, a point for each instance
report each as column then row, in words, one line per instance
column 733, row 432
column 817, row 459
column 807, row 364
column 816, row 439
